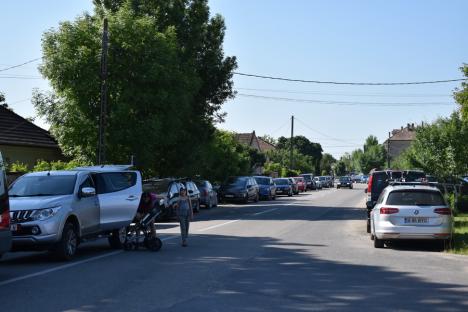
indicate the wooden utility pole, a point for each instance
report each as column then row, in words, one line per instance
column 102, row 117
column 292, row 143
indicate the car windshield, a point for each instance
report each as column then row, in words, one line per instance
column 157, row 187
column 345, row 179
column 200, row 184
column 262, row 181
column 322, row 178
column 415, row 198
column 48, row 185
column 281, row 181
column 236, row 181
column 307, row 177
column 396, row 175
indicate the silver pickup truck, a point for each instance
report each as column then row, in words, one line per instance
column 57, row 210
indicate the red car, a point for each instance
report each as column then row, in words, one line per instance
column 301, row 185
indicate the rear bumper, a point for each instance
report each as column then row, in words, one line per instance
column 414, row 232
column 5, row 241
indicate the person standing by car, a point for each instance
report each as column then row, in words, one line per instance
column 184, row 213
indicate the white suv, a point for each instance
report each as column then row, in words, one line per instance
column 410, row 212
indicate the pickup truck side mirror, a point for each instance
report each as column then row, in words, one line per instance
column 87, row 192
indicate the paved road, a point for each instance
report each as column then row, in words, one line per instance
column 305, row 253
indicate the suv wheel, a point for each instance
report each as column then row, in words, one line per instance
column 378, row 243
column 117, row 238
column 65, row 249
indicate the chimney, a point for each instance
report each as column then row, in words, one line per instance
column 412, row 126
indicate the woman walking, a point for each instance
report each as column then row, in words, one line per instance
column 185, row 214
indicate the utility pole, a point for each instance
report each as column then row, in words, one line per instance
column 292, row 144
column 102, row 117
column 388, row 151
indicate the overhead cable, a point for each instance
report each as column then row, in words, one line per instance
column 351, row 83
column 19, row 65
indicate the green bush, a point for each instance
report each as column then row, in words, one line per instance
column 18, row 167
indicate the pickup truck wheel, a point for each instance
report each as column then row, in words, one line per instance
column 117, row 238
column 66, row 248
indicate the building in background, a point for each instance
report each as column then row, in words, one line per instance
column 251, row 140
column 24, row 142
column 399, row 140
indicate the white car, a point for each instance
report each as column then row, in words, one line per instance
column 410, row 212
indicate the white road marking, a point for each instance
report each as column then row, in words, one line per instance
column 61, row 267
column 218, row 225
column 266, row 211
column 69, row 265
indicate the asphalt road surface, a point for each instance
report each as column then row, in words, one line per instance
column 306, row 253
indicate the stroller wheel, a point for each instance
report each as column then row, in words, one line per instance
column 153, row 244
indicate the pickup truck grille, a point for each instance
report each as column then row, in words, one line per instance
column 20, row 216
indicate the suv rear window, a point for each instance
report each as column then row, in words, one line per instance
column 263, row 181
column 415, row 198
column 110, row 182
column 379, row 181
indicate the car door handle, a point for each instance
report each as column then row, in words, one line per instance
column 132, row 197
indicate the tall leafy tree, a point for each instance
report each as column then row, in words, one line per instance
column 305, row 147
column 326, row 164
column 168, row 78
column 461, row 94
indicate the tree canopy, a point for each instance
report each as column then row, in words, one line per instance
column 167, row 80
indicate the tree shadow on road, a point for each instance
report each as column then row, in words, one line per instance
column 231, row 273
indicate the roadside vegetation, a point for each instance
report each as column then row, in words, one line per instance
column 460, row 235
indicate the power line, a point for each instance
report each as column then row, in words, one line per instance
column 22, row 64
column 346, row 93
column 351, row 83
column 321, row 133
column 274, row 98
column 19, row 77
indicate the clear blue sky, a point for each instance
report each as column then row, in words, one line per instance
column 370, row 41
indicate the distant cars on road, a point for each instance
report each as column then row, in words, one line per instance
column 294, row 186
column 241, row 189
column 309, row 180
column 301, row 185
column 283, row 187
column 208, row 195
column 267, row 187
column 410, row 212
column 344, row 182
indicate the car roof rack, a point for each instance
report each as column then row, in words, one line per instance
column 104, row 168
column 399, row 183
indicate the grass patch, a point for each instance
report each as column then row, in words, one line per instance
column 460, row 235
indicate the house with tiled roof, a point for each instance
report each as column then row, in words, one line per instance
column 399, row 140
column 251, row 140
column 24, row 142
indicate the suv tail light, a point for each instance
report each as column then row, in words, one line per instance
column 443, row 211
column 369, row 184
column 384, row 210
column 5, row 216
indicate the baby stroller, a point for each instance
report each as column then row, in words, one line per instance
column 142, row 231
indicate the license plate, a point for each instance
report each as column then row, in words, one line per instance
column 13, row 227
column 416, row 220
column 229, row 195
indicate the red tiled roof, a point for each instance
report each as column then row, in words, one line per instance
column 265, row 146
column 15, row 130
column 405, row 134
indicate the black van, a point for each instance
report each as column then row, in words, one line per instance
column 378, row 180
column 5, row 233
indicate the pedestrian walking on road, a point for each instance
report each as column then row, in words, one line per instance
column 185, row 214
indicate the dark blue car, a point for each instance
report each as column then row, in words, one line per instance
column 283, row 186
column 267, row 188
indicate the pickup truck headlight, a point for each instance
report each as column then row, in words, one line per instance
column 44, row 214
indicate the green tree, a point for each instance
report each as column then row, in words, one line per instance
column 326, row 164
column 305, row 147
column 340, row 168
column 440, row 148
column 168, row 78
column 461, row 95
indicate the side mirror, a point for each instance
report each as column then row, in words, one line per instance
column 87, row 192
column 365, row 190
column 190, row 192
